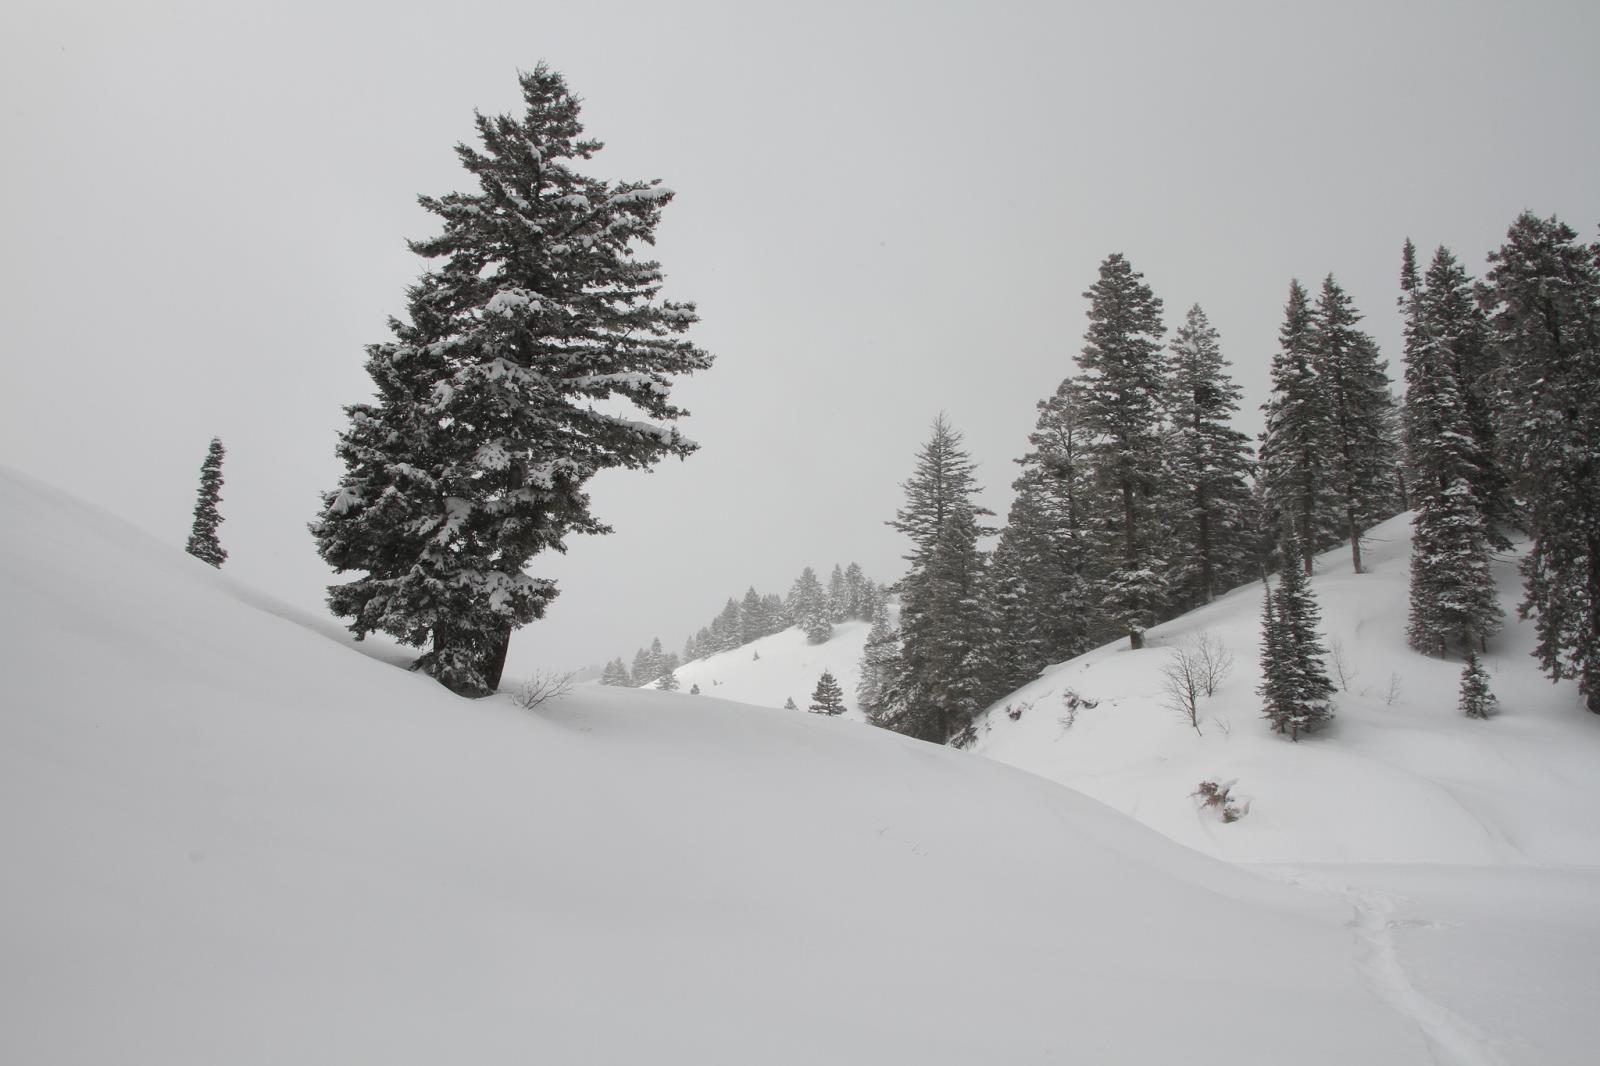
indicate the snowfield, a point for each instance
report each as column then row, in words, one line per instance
column 231, row 837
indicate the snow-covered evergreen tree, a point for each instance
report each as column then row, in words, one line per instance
column 1121, row 402
column 789, row 705
column 667, row 682
column 1452, row 591
column 616, row 673
column 1043, row 585
column 203, row 543
column 1296, row 690
column 777, row 614
column 855, row 585
column 828, row 697
column 1544, row 293
column 727, row 630
column 1296, row 446
column 808, row 606
column 1457, row 324
column 1476, row 699
column 945, row 632
column 496, row 398
column 1210, row 466
column 1354, row 384
column 753, row 621
column 838, row 596
column 644, row 668
column 942, row 678
column 694, row 690
column 877, row 691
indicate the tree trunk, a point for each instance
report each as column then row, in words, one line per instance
column 495, row 663
column 1355, row 539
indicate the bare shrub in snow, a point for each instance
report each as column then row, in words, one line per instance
column 1180, row 684
column 1014, row 711
column 1392, row 693
column 1341, row 664
column 1215, row 661
column 965, row 739
column 1219, row 798
column 542, row 688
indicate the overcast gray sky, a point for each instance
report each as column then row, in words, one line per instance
column 883, row 210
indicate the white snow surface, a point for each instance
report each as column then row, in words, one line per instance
column 1463, row 849
column 1400, row 776
column 228, row 838
column 788, row 668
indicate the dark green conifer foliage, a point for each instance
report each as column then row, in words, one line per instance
column 942, row 677
column 1458, row 324
column 493, row 406
column 827, row 698
column 1544, row 299
column 1476, row 699
column 203, row 543
column 1354, row 383
column 1297, row 442
column 808, row 606
column 753, row 621
column 1452, row 597
column 1122, row 397
column 667, row 682
column 877, row 693
column 1210, row 466
column 1295, row 688
column 945, row 632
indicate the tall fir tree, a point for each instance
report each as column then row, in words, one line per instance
column 941, row 678
column 1457, row 323
column 944, row 634
column 496, row 399
column 1354, row 382
column 1210, row 466
column 203, row 543
column 827, row 698
column 1295, row 689
column 1296, row 444
column 1543, row 292
column 1121, row 391
column 1452, row 598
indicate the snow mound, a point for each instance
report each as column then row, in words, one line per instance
column 228, row 838
column 1401, row 776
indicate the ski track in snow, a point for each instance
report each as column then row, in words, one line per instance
column 1451, row 1040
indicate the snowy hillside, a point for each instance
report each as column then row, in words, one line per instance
column 1400, row 776
column 231, row 839
column 783, row 666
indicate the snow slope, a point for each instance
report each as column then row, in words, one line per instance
column 1400, row 777
column 228, row 838
column 787, row 668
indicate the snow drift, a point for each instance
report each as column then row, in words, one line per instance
column 230, row 838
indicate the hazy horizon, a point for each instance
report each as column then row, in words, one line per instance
column 883, row 211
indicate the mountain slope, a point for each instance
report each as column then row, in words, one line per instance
column 782, row 666
column 1400, row 776
column 229, row 838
